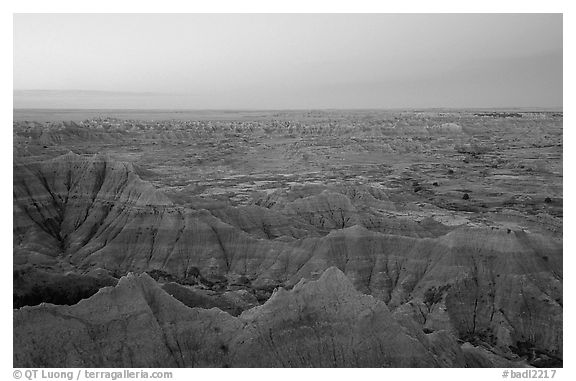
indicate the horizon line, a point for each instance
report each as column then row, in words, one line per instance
column 408, row 108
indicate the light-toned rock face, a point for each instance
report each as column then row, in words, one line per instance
column 323, row 323
column 494, row 286
column 264, row 223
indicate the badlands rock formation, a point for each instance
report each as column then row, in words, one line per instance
column 289, row 239
column 323, row 323
column 499, row 287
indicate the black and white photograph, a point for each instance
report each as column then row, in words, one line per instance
column 287, row 190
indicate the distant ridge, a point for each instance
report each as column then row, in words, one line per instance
column 78, row 99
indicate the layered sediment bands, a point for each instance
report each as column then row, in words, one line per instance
column 72, row 199
column 324, row 323
column 264, row 223
column 340, row 206
column 511, row 293
column 92, row 211
column 357, row 195
column 328, row 323
column 501, row 287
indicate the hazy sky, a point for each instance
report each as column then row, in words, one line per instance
column 261, row 61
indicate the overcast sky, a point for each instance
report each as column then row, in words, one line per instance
column 280, row 61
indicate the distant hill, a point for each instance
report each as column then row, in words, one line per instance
column 125, row 100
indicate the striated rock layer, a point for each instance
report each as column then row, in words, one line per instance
column 323, row 323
